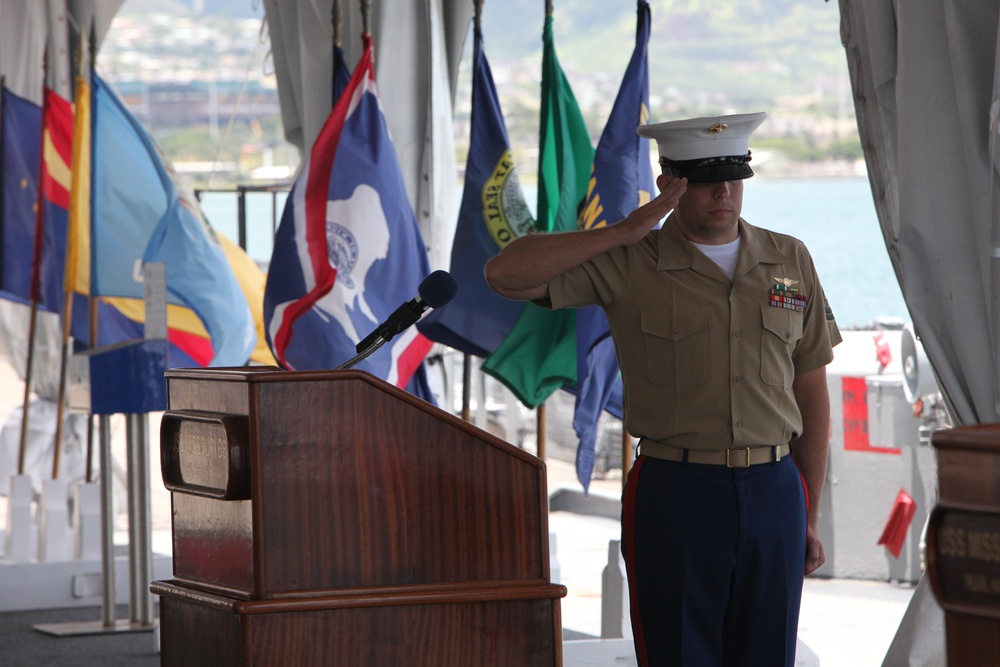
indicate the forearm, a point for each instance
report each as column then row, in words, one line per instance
column 811, row 448
column 523, row 269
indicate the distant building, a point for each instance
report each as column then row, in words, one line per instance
column 197, row 103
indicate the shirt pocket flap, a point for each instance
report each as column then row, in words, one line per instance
column 785, row 324
column 664, row 324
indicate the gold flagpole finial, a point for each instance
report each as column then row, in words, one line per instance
column 366, row 14
column 478, row 16
column 92, row 42
column 337, row 17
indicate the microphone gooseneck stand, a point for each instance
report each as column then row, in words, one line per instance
column 362, row 355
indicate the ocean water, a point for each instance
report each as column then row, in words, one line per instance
column 263, row 211
column 836, row 220
column 834, row 217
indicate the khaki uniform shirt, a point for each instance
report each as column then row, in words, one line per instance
column 707, row 363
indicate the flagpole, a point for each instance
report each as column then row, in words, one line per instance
column 69, row 282
column 91, row 338
column 467, row 358
column 67, row 319
column 91, row 301
column 540, row 411
column 36, row 262
column 466, row 386
column 337, row 18
column 366, row 13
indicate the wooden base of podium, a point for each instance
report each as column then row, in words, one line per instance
column 963, row 542
column 507, row 625
column 971, row 641
column 329, row 518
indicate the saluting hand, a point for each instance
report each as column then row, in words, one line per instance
column 638, row 223
column 524, row 267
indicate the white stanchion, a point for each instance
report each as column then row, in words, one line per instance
column 599, row 653
column 615, row 618
column 555, row 571
column 19, row 545
column 139, row 527
column 87, row 521
column 53, row 522
column 615, row 646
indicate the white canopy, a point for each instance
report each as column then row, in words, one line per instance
column 924, row 75
column 25, row 25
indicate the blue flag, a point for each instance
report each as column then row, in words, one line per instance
column 21, row 124
column 138, row 215
column 492, row 214
column 341, row 74
column 22, row 140
column 348, row 250
column 621, row 180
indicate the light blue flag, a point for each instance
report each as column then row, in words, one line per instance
column 138, row 216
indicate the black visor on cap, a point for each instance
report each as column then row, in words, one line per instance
column 708, row 170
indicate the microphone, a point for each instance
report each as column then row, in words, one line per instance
column 434, row 291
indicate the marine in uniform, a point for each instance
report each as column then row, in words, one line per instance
column 722, row 334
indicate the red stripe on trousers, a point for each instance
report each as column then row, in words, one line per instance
column 628, row 526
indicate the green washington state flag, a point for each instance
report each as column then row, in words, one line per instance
column 539, row 354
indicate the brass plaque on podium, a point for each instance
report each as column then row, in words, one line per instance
column 964, row 559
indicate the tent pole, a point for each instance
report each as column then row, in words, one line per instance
column 540, row 431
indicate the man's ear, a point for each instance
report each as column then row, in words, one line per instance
column 663, row 180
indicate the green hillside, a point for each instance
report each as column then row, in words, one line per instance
column 751, row 51
column 706, row 57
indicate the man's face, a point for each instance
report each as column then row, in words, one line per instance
column 708, row 212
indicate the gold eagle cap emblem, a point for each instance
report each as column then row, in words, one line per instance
column 787, row 282
column 718, row 128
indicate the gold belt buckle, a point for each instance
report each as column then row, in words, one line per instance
column 730, row 463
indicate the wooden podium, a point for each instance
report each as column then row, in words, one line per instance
column 329, row 518
column 963, row 542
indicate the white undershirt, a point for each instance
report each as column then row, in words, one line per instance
column 724, row 255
